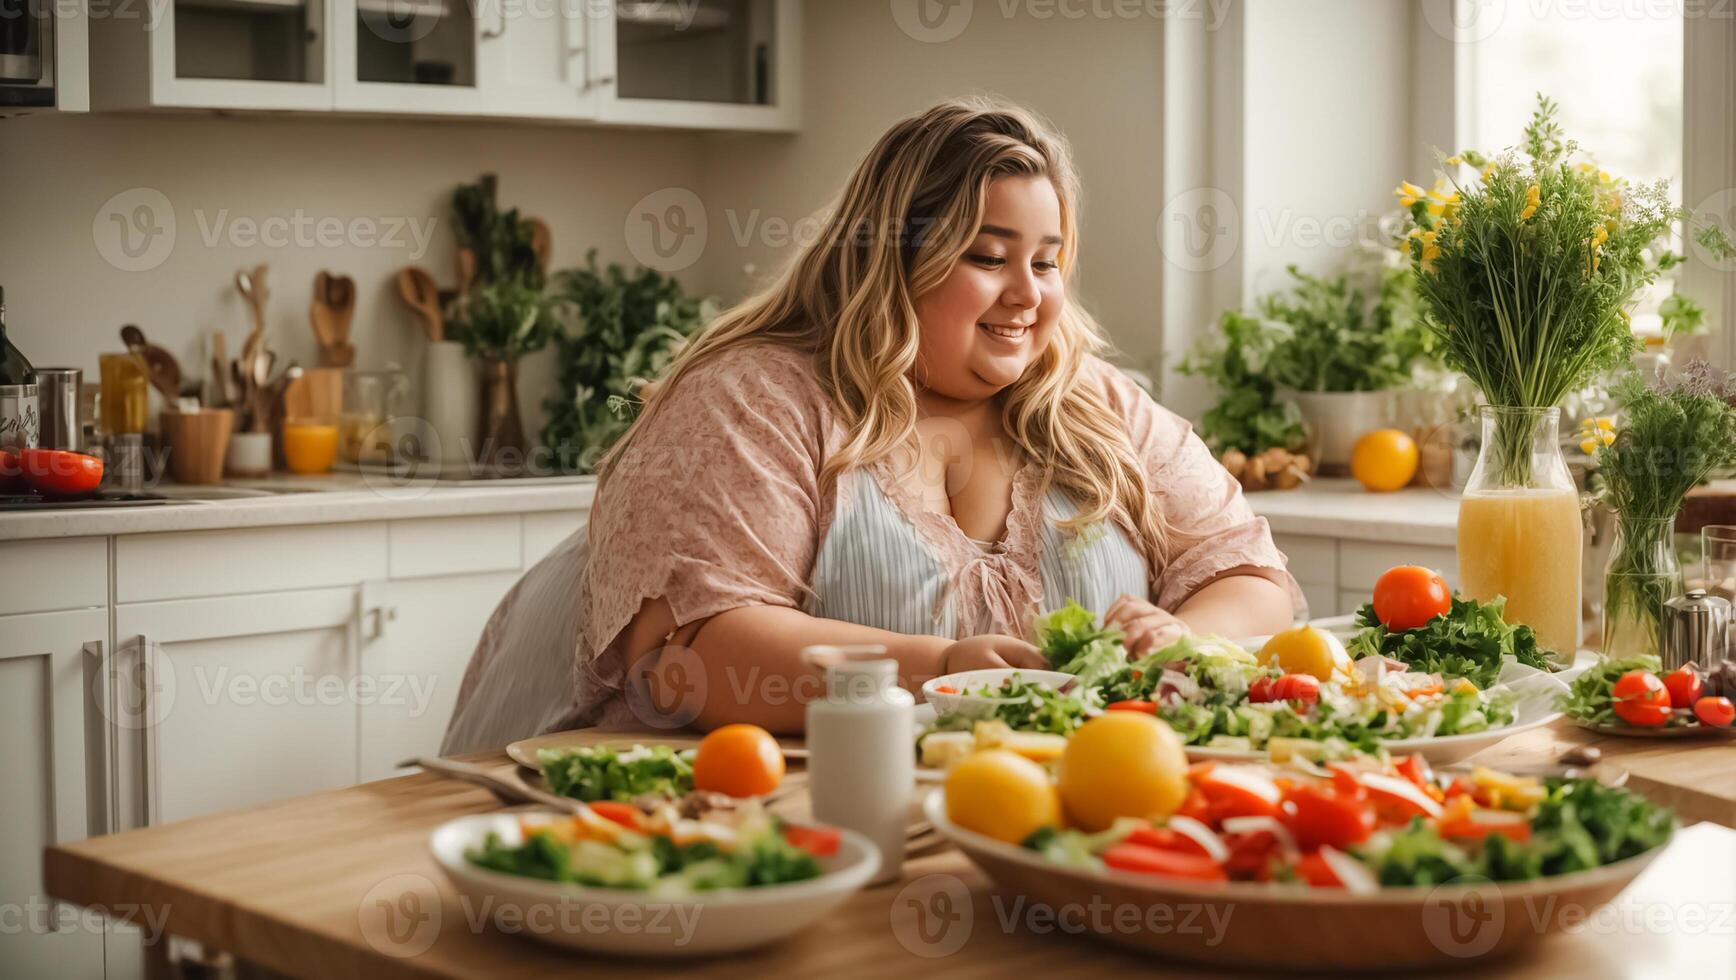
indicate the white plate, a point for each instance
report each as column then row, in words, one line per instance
column 626, row 922
column 1439, row 750
column 977, row 705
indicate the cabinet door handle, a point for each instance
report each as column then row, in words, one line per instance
column 101, row 736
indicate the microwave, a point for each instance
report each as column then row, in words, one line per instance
column 26, row 54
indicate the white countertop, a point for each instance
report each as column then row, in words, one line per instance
column 337, row 498
column 1334, row 508
column 1340, row 508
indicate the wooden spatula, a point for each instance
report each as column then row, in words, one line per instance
column 416, row 287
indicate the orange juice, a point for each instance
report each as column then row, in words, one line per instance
column 310, row 447
column 1526, row 545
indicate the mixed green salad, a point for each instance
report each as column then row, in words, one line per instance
column 599, row 772
column 1470, row 641
column 615, row 845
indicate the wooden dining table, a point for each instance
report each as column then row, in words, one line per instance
column 341, row 884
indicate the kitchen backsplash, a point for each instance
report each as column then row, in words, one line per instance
column 109, row 220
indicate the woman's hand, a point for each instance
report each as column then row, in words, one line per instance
column 988, row 650
column 1147, row 627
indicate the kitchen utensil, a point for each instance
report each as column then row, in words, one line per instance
column 197, row 443
column 125, row 394
column 1693, row 629
column 466, row 272
column 334, row 299
column 164, row 370
column 524, row 751
column 59, row 473
column 510, row 790
column 254, row 289
column 541, row 244
column 416, row 287
column 57, row 400
column 221, row 394
column 255, row 360
column 451, row 404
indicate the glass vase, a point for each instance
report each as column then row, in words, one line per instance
column 1642, row 574
column 1520, row 531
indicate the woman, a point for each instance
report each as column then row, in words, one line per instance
column 908, row 440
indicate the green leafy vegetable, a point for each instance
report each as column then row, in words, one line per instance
column 1469, row 642
column 600, row 773
column 1074, row 644
column 641, row 861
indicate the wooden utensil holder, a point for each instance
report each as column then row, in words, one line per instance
column 198, row 443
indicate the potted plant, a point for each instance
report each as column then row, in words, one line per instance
column 1260, row 439
column 624, row 328
column 1526, row 274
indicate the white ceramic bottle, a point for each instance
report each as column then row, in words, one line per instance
column 450, row 405
column 861, row 764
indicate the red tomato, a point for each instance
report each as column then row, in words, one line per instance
column 1126, row 856
column 1164, row 839
column 1408, row 596
column 1320, row 817
column 1640, row 699
column 1251, row 856
column 1416, row 769
column 59, row 473
column 818, row 841
column 1717, row 712
column 1144, row 707
column 1260, row 690
column 945, row 689
column 1685, row 687
column 625, row 814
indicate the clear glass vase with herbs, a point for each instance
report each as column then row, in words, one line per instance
column 1672, row 434
column 1526, row 273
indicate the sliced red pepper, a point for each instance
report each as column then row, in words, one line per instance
column 1320, row 817
column 1314, row 869
column 625, row 814
column 1128, row 856
column 1144, row 707
column 945, row 689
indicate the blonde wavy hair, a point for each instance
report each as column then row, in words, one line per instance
column 907, row 215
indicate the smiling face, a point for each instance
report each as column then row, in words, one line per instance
column 998, row 309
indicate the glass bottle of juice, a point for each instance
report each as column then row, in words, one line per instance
column 1520, row 534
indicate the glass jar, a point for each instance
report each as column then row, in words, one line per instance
column 373, row 403
column 125, row 394
column 1520, row 531
column 1641, row 575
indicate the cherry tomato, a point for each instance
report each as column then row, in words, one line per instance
column 1320, row 817
column 818, row 841
column 1717, row 712
column 1127, row 856
column 625, row 814
column 1260, row 690
column 738, row 760
column 1144, row 707
column 1408, row 596
column 1640, row 699
column 59, row 473
column 1685, row 687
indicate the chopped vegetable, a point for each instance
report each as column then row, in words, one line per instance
column 601, row 773
column 1470, row 641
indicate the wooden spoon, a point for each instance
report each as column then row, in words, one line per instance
column 542, row 243
column 164, row 370
column 416, row 287
column 333, row 307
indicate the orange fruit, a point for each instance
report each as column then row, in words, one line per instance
column 1001, row 794
column 739, row 761
column 1384, row 460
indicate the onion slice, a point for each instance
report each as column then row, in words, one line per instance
column 1253, row 825
column 1204, row 836
column 1351, row 873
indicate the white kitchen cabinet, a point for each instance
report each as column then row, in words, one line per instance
column 407, row 56
column 235, row 700
column 535, row 60
column 213, row 54
column 42, row 724
column 708, row 64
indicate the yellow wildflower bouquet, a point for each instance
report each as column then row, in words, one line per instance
column 1526, row 273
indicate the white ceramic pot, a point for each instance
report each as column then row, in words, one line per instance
column 450, row 403
column 249, row 454
column 1336, row 419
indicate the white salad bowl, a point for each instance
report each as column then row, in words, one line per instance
column 1439, row 750
column 976, row 705
column 630, row 922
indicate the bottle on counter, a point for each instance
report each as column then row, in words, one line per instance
column 20, row 412
column 861, row 765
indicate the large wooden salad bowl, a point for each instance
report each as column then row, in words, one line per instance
column 1278, row 927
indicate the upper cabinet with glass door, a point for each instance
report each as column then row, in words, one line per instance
column 213, row 54
column 710, row 64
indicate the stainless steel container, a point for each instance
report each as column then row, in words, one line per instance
column 20, row 418
column 57, row 398
column 1694, row 628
